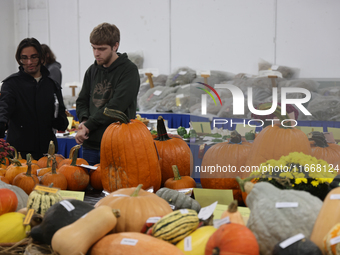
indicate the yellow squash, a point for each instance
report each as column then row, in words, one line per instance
column 199, row 239
column 12, row 229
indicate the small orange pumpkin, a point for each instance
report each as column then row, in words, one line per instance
column 67, row 161
column 233, row 213
column 8, row 201
column 232, row 238
column 178, row 181
column 77, row 177
column 95, row 178
column 14, row 169
column 26, row 181
column 58, row 179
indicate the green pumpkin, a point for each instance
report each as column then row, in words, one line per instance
column 178, row 199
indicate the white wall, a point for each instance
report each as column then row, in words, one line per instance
column 224, row 35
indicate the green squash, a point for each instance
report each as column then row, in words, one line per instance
column 178, row 199
column 21, row 194
column 270, row 224
column 56, row 217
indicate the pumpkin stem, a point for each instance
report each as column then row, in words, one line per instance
column 116, row 115
column 318, row 138
column 15, row 161
column 232, row 207
column 277, row 112
column 135, row 193
column 116, row 212
column 54, row 164
column 29, row 165
column 235, row 137
column 216, row 251
column 242, row 182
column 162, row 135
column 19, row 156
column 51, row 148
column 74, row 155
column 177, row 176
column 248, row 186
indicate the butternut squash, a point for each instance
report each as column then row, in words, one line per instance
column 76, row 239
column 327, row 218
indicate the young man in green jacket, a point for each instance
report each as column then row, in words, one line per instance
column 112, row 81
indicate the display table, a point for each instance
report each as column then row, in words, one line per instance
column 174, row 119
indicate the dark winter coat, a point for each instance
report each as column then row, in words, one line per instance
column 28, row 107
column 115, row 87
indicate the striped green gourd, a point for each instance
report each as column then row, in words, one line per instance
column 175, row 226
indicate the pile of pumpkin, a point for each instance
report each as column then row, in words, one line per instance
column 134, row 221
column 130, row 156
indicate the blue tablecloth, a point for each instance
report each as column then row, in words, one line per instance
column 65, row 144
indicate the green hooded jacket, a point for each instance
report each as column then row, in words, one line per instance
column 115, row 87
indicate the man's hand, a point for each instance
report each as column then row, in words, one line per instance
column 82, row 134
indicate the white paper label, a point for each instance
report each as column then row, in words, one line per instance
column 153, row 219
column 180, row 96
column 150, row 190
column 220, row 222
column 172, row 207
column 286, row 204
column 68, row 206
column 89, row 167
column 210, row 142
column 120, row 195
column 184, row 211
column 129, row 241
column 187, row 244
column 291, row 240
column 185, row 191
column 157, row 92
column 335, row 240
column 207, row 211
column 182, row 72
column 335, row 196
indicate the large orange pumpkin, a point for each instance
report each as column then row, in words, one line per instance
column 145, row 245
column 14, row 169
column 330, row 152
column 230, row 157
column 276, row 141
column 128, row 155
column 136, row 206
column 172, row 151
